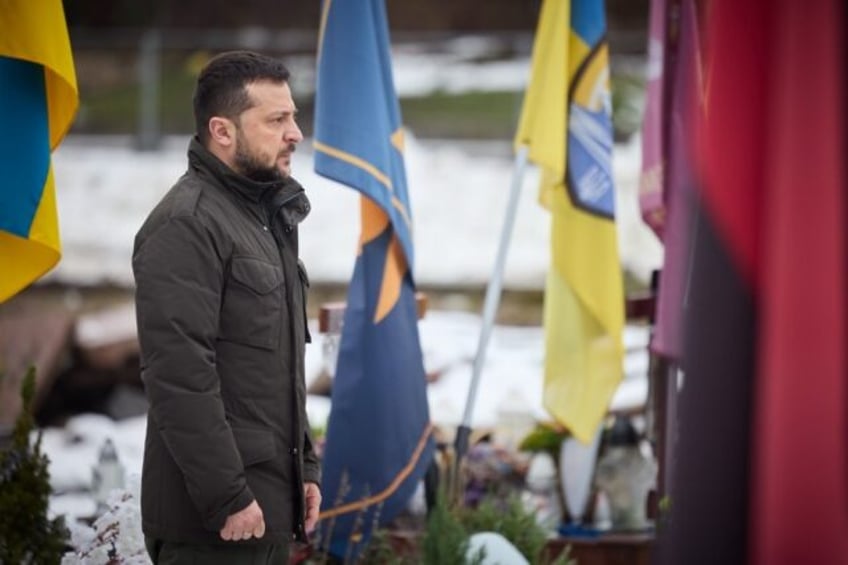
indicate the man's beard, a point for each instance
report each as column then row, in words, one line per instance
column 250, row 166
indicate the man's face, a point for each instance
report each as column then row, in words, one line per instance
column 267, row 133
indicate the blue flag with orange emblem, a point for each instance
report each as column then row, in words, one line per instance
column 379, row 438
column 38, row 100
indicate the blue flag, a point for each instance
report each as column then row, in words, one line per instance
column 379, row 438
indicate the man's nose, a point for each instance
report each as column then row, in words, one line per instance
column 293, row 134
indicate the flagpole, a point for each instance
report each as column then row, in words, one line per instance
column 490, row 306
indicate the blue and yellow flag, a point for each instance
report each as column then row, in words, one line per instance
column 379, row 439
column 38, row 100
column 566, row 123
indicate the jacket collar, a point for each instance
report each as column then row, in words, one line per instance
column 285, row 196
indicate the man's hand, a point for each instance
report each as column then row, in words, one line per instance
column 312, row 495
column 244, row 524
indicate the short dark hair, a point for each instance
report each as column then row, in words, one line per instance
column 221, row 86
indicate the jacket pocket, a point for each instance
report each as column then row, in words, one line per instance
column 255, row 445
column 250, row 310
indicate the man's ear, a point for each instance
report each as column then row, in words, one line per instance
column 222, row 131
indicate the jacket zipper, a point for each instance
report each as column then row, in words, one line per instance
column 300, row 529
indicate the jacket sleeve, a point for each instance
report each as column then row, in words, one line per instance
column 179, row 280
column 311, row 465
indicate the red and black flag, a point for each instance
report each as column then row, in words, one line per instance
column 762, row 456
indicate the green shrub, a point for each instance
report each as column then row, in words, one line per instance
column 380, row 550
column 26, row 535
column 508, row 518
column 445, row 540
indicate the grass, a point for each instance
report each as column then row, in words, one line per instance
column 113, row 106
column 471, row 115
column 115, row 109
column 478, row 115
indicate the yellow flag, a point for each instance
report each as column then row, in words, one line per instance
column 38, row 101
column 566, row 123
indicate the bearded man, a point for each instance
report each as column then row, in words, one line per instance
column 229, row 475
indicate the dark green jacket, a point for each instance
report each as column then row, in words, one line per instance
column 220, row 305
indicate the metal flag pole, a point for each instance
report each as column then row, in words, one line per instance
column 490, row 307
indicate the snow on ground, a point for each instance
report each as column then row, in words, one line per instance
column 509, row 399
column 456, row 65
column 458, row 190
